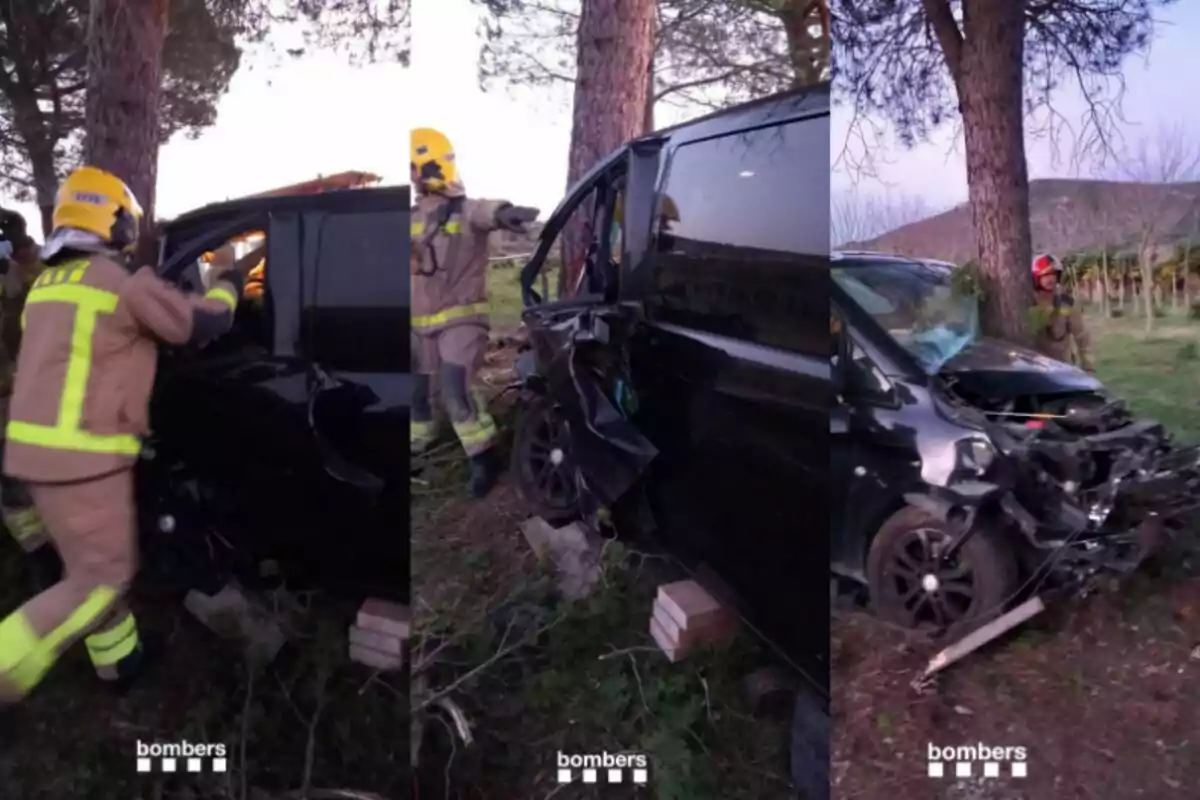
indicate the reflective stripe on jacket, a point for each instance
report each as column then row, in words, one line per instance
column 450, row 264
column 87, row 364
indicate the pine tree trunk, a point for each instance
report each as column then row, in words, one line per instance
column 1104, row 298
column 45, row 185
column 614, row 49
column 989, row 80
column 124, row 88
column 808, row 52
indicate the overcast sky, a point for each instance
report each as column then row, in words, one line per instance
column 1156, row 94
column 317, row 115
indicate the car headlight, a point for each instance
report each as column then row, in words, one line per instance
column 976, row 454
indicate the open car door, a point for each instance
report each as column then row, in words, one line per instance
column 285, row 439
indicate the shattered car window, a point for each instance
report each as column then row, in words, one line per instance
column 917, row 304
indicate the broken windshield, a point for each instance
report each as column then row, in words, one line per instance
column 917, row 303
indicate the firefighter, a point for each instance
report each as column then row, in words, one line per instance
column 20, row 265
column 80, row 401
column 1058, row 320
column 449, row 301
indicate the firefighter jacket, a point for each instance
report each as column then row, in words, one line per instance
column 1057, row 320
column 14, row 286
column 87, row 363
column 449, row 261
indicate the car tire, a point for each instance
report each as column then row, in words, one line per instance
column 538, row 422
column 992, row 566
column 809, row 749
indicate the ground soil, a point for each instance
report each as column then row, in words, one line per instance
column 1100, row 692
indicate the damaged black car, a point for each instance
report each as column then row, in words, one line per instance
column 682, row 391
column 970, row 472
column 277, row 451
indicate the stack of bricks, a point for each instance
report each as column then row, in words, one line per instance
column 378, row 636
column 686, row 617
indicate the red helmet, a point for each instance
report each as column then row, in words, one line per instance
column 1044, row 264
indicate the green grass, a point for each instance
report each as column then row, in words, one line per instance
column 1159, row 375
column 310, row 719
column 582, row 677
column 504, row 292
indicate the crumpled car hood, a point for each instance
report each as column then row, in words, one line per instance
column 1001, row 370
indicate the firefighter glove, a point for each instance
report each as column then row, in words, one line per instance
column 515, row 218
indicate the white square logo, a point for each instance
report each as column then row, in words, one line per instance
column 1020, row 769
column 936, row 769
column 143, row 765
column 219, row 765
column 991, row 769
column 962, row 769
column 168, row 765
column 564, row 776
column 194, row 765
column 589, row 776
column 641, row 776
column 615, row 776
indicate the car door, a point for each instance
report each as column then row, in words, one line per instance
column 734, row 366
column 354, row 330
column 305, row 426
column 871, row 465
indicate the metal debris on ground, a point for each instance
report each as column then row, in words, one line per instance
column 574, row 551
column 235, row 613
column 977, row 639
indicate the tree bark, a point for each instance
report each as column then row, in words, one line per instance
column 1105, row 299
column 614, row 50
column 45, row 185
column 648, row 114
column 986, row 61
column 808, row 52
column 124, row 89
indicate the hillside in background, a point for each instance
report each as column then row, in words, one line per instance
column 1066, row 216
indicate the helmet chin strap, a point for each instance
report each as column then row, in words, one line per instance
column 63, row 239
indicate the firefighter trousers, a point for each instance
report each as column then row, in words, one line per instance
column 19, row 514
column 449, row 359
column 92, row 524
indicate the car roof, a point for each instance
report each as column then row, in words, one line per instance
column 334, row 200
column 806, row 100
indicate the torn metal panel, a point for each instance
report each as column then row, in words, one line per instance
column 1082, row 480
column 587, row 373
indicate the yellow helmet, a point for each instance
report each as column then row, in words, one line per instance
column 98, row 202
column 432, row 160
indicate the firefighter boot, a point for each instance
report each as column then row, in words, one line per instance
column 125, row 673
column 485, row 472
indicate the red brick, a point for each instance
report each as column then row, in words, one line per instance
column 664, row 642
column 383, row 642
column 689, row 605
column 383, row 662
column 384, row 617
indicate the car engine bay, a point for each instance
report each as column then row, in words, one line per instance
column 1088, row 484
